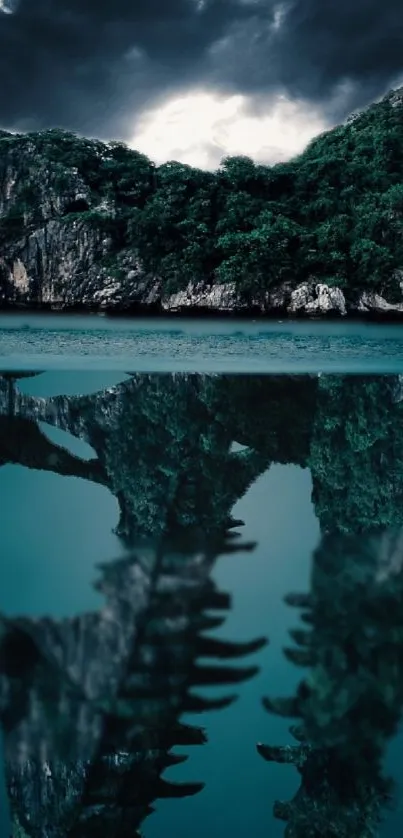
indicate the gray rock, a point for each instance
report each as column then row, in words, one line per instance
column 398, row 391
column 396, row 97
column 317, row 299
column 222, row 297
column 371, row 301
column 64, row 258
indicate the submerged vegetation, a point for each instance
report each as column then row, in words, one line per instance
column 333, row 213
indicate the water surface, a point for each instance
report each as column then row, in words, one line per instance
column 165, row 344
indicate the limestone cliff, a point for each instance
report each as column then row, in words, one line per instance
column 92, row 225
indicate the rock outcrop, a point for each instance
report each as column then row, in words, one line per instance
column 309, row 298
column 370, row 301
column 83, row 226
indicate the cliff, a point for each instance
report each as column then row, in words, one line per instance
column 92, row 225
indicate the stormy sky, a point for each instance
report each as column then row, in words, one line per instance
column 194, row 80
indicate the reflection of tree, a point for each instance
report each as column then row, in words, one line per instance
column 356, row 455
column 350, row 702
column 92, row 706
column 163, row 442
column 163, row 446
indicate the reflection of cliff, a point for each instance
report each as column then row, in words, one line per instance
column 350, row 703
column 163, row 442
column 356, row 453
column 91, row 706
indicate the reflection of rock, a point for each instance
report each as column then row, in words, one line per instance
column 356, row 453
column 332, row 800
column 92, row 709
column 102, row 695
column 350, row 703
column 163, row 442
column 118, row 681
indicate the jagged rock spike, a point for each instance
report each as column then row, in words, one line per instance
column 166, row 605
column 183, row 734
column 235, row 522
column 301, row 637
column 174, row 759
column 280, row 753
column 159, row 633
column 210, row 675
column 281, row 706
column 212, row 647
column 302, row 657
column 165, row 789
column 198, row 704
column 282, row 810
column 298, row 732
column 244, row 547
column 203, row 622
column 307, row 617
column 217, row 599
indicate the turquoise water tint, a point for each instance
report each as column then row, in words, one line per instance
column 164, row 345
column 161, row 536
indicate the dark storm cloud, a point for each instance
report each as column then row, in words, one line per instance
column 92, row 65
column 321, row 45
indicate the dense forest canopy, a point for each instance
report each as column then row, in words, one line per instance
column 333, row 213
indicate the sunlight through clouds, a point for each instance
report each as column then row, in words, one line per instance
column 8, row 7
column 200, row 128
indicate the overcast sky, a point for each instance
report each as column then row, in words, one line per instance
column 193, row 80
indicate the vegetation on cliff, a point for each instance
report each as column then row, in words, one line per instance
column 334, row 212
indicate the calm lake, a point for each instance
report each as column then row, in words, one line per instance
column 191, row 565
column 69, row 342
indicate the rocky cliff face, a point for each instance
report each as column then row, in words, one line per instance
column 62, row 247
column 53, row 245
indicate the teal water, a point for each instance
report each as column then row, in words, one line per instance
column 311, row 472
column 237, row 801
column 165, row 345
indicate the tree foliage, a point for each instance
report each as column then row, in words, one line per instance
column 334, row 212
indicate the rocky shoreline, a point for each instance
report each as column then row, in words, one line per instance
column 65, row 246
column 308, row 301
